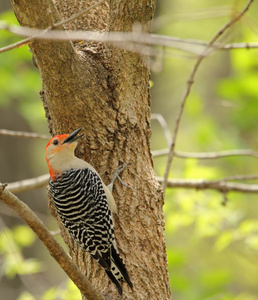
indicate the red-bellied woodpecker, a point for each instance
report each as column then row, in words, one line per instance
column 84, row 204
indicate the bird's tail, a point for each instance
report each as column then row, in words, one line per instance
column 117, row 272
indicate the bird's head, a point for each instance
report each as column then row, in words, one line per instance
column 60, row 152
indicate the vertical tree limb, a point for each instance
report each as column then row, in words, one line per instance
column 105, row 91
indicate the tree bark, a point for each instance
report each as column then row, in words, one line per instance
column 105, row 90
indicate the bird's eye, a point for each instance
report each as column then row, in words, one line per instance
column 55, row 142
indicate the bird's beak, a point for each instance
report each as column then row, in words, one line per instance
column 72, row 137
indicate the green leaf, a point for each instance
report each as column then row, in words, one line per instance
column 26, row 296
column 176, row 257
column 252, row 242
column 215, row 278
column 51, row 294
column 224, row 240
column 72, row 292
column 248, row 226
column 23, row 236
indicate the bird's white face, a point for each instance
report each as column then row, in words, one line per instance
column 56, row 147
column 60, row 153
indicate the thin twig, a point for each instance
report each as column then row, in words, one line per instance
column 16, row 45
column 189, row 85
column 207, row 155
column 38, row 182
column 56, row 232
column 115, row 38
column 28, row 184
column 75, row 35
column 54, row 248
column 23, row 134
column 240, row 177
column 202, row 184
column 233, row 46
column 139, row 41
column 197, row 155
column 192, row 15
column 164, row 126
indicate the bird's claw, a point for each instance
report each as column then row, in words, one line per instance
column 116, row 175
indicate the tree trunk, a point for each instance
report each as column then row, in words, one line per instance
column 105, row 90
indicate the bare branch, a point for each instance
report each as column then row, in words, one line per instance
column 135, row 41
column 15, row 45
column 207, row 155
column 201, row 184
column 190, row 83
column 197, row 155
column 197, row 14
column 28, row 184
column 117, row 38
column 165, row 41
column 241, row 177
column 54, row 248
column 38, row 182
column 164, row 126
column 23, row 134
column 239, row 46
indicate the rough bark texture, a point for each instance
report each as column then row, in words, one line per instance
column 105, row 90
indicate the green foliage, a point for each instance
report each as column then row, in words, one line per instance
column 69, row 292
column 211, row 248
column 66, row 292
column 241, row 89
column 11, row 244
column 26, row 296
column 20, row 82
column 23, row 236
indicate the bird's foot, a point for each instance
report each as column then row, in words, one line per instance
column 116, row 176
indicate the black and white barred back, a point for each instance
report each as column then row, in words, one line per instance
column 81, row 203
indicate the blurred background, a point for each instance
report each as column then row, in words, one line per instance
column 212, row 248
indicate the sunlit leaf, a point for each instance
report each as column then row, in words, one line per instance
column 252, row 242
column 50, row 294
column 26, row 296
column 23, row 235
column 72, row 292
column 224, row 240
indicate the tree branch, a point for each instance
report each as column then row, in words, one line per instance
column 201, row 184
column 190, row 83
column 28, row 184
column 207, row 155
column 198, row 155
column 53, row 247
column 137, row 39
column 38, row 182
column 23, row 134
column 116, row 37
column 164, row 126
column 16, row 45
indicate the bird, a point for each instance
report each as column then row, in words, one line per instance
column 85, row 205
